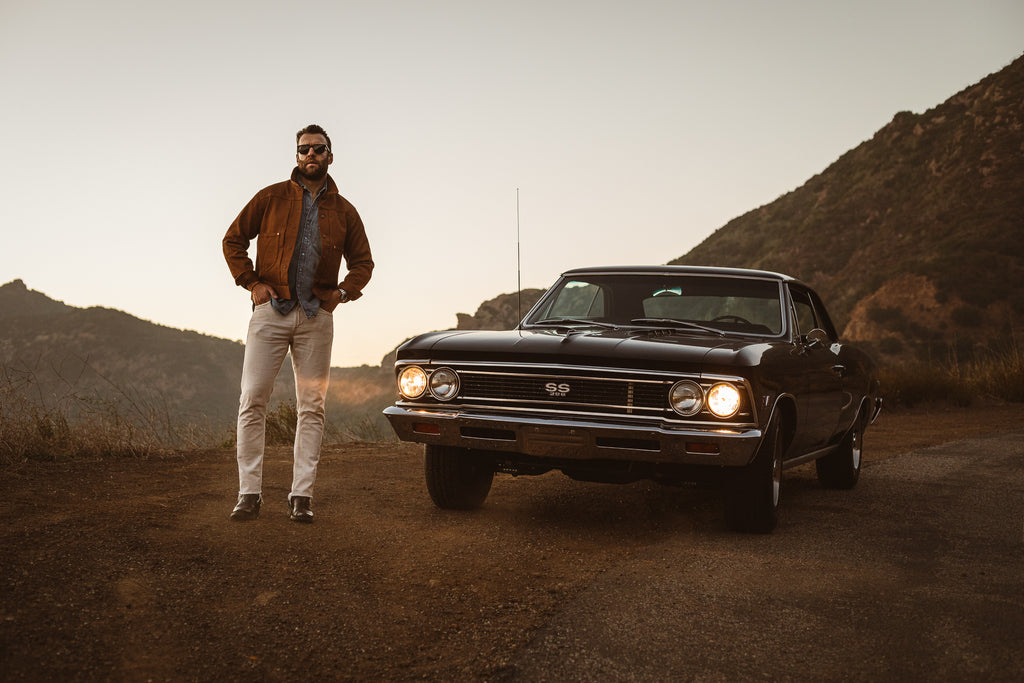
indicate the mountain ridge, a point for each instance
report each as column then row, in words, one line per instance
column 934, row 200
column 55, row 352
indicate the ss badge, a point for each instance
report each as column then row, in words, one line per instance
column 557, row 389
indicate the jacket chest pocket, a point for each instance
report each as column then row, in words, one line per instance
column 269, row 237
column 269, row 251
column 269, row 241
column 332, row 230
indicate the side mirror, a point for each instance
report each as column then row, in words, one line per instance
column 816, row 337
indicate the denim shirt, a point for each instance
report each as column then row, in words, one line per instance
column 305, row 259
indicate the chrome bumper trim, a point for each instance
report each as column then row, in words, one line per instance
column 577, row 439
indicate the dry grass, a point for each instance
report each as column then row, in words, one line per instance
column 991, row 374
column 47, row 425
column 40, row 424
column 71, row 426
column 365, row 427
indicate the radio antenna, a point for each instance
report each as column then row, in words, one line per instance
column 519, row 270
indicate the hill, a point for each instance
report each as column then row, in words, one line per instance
column 915, row 237
column 108, row 360
column 104, row 360
column 503, row 312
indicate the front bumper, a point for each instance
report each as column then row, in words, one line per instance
column 574, row 439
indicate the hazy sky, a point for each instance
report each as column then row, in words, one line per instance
column 133, row 132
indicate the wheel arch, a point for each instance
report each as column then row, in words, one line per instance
column 784, row 411
column 863, row 416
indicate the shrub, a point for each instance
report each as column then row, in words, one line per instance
column 993, row 373
column 911, row 385
column 36, row 425
column 281, row 423
column 890, row 346
column 886, row 316
column 999, row 374
column 967, row 316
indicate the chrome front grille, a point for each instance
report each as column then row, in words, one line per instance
column 574, row 391
column 567, row 392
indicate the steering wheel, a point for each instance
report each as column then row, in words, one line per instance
column 731, row 319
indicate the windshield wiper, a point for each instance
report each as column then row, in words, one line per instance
column 672, row 322
column 575, row 321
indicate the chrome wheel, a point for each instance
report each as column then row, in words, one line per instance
column 776, row 473
column 855, row 446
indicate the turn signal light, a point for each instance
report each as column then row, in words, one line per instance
column 425, row 428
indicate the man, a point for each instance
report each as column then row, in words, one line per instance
column 302, row 228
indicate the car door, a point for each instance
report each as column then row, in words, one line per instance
column 848, row 367
column 818, row 384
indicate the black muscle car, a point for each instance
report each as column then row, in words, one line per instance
column 675, row 374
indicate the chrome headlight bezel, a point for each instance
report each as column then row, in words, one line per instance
column 686, row 398
column 444, row 384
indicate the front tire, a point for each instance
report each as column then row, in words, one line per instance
column 457, row 478
column 752, row 494
column 841, row 468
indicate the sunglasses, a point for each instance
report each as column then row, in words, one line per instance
column 317, row 149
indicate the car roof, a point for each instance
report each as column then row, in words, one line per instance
column 680, row 270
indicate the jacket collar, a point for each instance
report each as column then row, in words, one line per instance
column 329, row 187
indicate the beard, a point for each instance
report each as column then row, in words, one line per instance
column 317, row 175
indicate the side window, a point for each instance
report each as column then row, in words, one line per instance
column 822, row 317
column 805, row 318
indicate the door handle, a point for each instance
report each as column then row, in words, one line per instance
column 839, row 370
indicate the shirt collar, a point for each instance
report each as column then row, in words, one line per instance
column 329, row 187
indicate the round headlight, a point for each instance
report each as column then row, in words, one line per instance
column 724, row 400
column 412, row 382
column 686, row 397
column 444, row 384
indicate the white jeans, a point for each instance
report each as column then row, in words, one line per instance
column 270, row 337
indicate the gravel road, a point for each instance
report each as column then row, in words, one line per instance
column 129, row 570
column 917, row 574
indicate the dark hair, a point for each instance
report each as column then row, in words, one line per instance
column 313, row 129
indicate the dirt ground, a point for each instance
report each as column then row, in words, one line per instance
column 129, row 570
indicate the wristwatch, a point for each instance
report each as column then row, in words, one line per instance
column 344, row 295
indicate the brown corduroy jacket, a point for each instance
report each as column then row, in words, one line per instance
column 272, row 219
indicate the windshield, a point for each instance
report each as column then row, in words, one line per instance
column 729, row 304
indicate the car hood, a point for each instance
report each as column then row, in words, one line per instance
column 678, row 350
